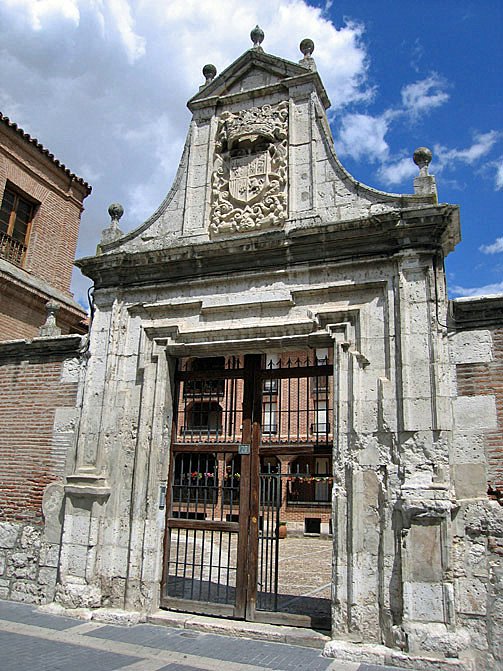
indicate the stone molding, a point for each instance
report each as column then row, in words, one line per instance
column 428, row 228
column 476, row 311
column 41, row 347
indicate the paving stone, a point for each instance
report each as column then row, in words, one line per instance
column 227, row 648
column 26, row 614
column 23, row 653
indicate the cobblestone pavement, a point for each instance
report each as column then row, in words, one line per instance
column 305, row 575
column 31, row 639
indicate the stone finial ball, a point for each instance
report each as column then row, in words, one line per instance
column 422, row 157
column 307, row 47
column 209, row 72
column 52, row 306
column 115, row 210
column 257, row 36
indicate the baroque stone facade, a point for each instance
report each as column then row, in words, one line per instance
column 339, row 267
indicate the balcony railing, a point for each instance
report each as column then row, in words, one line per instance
column 193, row 388
column 315, row 489
column 11, row 250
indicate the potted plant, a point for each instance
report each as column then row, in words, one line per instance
column 282, row 530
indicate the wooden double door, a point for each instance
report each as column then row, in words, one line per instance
column 235, row 419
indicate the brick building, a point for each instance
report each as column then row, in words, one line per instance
column 41, row 202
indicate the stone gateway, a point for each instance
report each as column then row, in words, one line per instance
column 271, row 346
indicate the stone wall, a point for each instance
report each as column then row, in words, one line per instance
column 38, row 415
column 477, row 352
column 28, row 563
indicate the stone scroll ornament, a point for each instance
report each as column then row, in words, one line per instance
column 248, row 190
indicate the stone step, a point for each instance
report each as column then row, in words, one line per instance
column 255, row 630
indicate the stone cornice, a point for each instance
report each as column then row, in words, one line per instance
column 424, row 228
column 477, row 311
column 291, row 74
column 40, row 347
column 29, row 283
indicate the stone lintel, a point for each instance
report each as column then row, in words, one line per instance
column 313, row 340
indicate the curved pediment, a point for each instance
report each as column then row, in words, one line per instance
column 259, row 158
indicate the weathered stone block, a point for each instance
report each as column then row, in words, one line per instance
column 8, row 534
column 49, row 555
column 425, row 554
column 424, row 601
column 472, row 596
column 470, row 480
column 47, row 576
column 471, row 347
column 30, row 538
column 21, row 565
column 468, row 447
column 25, row 592
column 475, row 412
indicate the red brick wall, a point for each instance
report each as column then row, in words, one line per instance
column 487, row 379
column 23, row 312
column 53, row 239
column 30, row 392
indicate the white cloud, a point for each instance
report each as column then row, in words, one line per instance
column 363, row 137
column 103, row 83
column 394, row 170
column 487, row 290
column 398, row 171
column 494, row 248
column 499, row 175
column 424, row 95
column 40, row 12
column 481, row 146
column 120, row 14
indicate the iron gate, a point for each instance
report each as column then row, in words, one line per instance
column 236, row 421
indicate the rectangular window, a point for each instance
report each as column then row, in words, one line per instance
column 320, row 424
column 16, row 215
column 270, row 417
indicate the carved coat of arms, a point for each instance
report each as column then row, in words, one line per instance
column 250, row 170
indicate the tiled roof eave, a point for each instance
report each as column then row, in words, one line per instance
column 33, row 141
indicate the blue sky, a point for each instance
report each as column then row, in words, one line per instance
column 103, row 84
column 457, row 47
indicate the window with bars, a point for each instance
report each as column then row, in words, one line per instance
column 16, row 215
column 270, row 416
column 205, row 417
